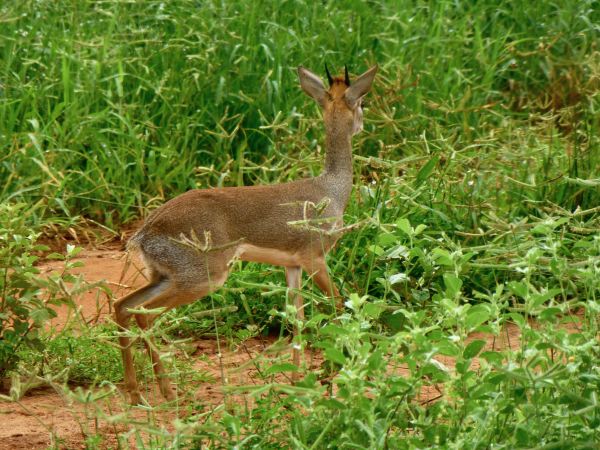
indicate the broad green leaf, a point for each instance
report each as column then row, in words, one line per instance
column 334, row 355
column 492, row 357
column 373, row 310
column 447, row 348
column 476, row 316
column 334, row 330
column 442, row 257
column 419, row 229
column 386, row 239
column 404, row 226
column 518, row 319
column 482, row 390
column 473, row 348
column 549, row 313
column 453, row 284
column 376, row 249
column 518, row 288
column 539, row 299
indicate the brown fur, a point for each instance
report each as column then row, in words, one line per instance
column 189, row 242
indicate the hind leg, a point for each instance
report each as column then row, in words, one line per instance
column 162, row 293
column 179, row 275
column 122, row 317
column 145, row 322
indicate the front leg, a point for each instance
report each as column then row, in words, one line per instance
column 293, row 277
column 320, row 275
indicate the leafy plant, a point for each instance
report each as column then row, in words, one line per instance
column 27, row 297
column 23, row 312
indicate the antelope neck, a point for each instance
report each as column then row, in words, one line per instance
column 338, row 153
column 338, row 164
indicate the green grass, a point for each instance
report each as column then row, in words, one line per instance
column 477, row 180
column 111, row 107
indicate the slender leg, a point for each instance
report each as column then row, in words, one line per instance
column 320, row 275
column 157, row 294
column 293, row 276
column 145, row 322
column 122, row 317
column 130, row 380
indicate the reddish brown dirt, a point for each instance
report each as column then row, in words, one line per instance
column 55, row 416
column 49, row 416
column 108, row 265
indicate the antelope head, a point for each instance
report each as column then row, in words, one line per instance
column 342, row 102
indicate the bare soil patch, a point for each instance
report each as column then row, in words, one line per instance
column 46, row 412
column 108, row 265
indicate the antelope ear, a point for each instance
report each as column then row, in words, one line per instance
column 312, row 85
column 360, row 87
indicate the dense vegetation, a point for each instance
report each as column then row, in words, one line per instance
column 477, row 190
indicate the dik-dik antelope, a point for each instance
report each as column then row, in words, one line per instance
column 188, row 243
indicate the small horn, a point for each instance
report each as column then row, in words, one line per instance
column 347, row 78
column 329, row 78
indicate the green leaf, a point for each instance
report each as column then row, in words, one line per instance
column 481, row 390
column 549, row 313
column 73, row 250
column 518, row 288
column 376, row 360
column 420, row 228
column 447, row 348
column 442, row 257
column 473, row 348
column 426, row 170
column 373, row 310
column 386, row 239
column 334, row 355
column 453, row 285
column 376, row 249
column 280, row 368
column 404, row 226
column 492, row 357
column 518, row 319
column 315, row 320
column 539, row 299
column 476, row 316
